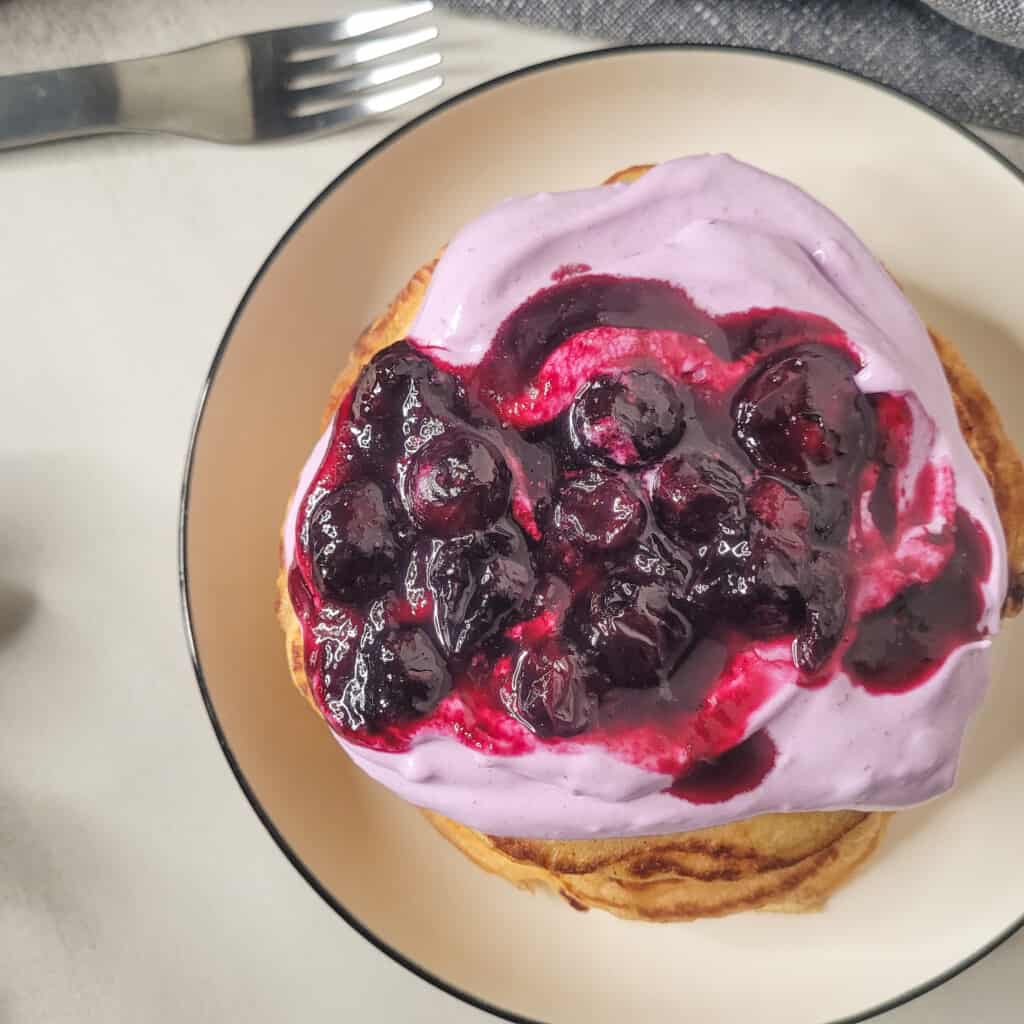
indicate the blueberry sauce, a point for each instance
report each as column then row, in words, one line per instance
column 738, row 770
column 576, row 304
column 900, row 645
column 629, row 526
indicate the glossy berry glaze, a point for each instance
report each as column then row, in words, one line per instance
column 630, row 526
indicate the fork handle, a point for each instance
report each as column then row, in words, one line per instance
column 204, row 92
column 46, row 105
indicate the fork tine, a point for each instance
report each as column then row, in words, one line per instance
column 365, row 106
column 381, row 74
column 359, row 24
column 358, row 53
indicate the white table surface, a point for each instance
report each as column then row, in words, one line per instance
column 135, row 882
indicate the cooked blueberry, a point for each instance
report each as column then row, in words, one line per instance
column 696, row 494
column 831, row 511
column 400, row 400
column 773, row 603
column 779, row 506
column 336, row 635
column 413, row 579
column 397, row 381
column 754, row 582
column 658, row 560
column 552, row 595
column 548, row 694
column 598, row 510
column 634, row 631
column 801, row 416
column 351, row 542
column 399, row 675
column 457, row 483
column 825, row 596
column 628, row 419
column 479, row 584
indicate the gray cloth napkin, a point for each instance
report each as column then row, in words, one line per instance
column 970, row 76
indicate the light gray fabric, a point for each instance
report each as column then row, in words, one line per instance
column 998, row 19
column 903, row 43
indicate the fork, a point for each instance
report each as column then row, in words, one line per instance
column 290, row 82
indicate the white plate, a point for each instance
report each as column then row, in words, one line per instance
column 945, row 215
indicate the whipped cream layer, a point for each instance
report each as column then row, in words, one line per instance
column 734, row 238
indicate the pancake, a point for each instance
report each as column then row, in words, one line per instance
column 782, row 862
column 779, row 862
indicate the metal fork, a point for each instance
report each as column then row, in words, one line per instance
column 301, row 81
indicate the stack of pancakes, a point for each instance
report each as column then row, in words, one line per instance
column 781, row 862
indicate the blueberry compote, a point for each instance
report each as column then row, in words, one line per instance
column 630, row 525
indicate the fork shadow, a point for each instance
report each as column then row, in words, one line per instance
column 17, row 607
